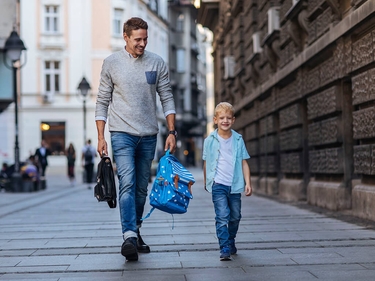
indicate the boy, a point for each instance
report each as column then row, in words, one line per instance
column 226, row 175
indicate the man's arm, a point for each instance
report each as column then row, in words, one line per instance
column 166, row 98
column 102, row 102
column 170, row 142
column 102, row 144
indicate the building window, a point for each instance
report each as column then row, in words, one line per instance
column 51, row 17
column 229, row 65
column 180, row 101
column 180, row 22
column 273, row 19
column 256, row 42
column 154, row 5
column 52, row 76
column 54, row 134
column 117, row 22
column 180, row 59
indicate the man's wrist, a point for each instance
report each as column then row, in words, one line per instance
column 173, row 132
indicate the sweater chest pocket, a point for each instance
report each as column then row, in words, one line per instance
column 151, row 77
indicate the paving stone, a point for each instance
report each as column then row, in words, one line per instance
column 58, row 235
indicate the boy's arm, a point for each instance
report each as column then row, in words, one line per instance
column 204, row 174
column 246, row 174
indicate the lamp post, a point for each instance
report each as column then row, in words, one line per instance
column 13, row 49
column 84, row 87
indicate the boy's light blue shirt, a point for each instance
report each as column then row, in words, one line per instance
column 211, row 150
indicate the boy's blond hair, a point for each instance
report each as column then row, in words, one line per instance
column 224, row 106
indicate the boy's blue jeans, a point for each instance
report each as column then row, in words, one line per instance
column 133, row 156
column 228, row 213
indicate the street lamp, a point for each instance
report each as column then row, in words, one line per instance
column 84, row 87
column 13, row 49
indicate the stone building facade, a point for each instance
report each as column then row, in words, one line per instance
column 301, row 76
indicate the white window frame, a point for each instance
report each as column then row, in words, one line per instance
column 180, row 22
column 52, row 72
column 154, row 5
column 229, row 64
column 118, row 15
column 273, row 19
column 51, row 19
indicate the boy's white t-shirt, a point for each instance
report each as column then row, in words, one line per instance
column 224, row 171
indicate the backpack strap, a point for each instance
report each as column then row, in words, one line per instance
column 189, row 187
column 148, row 215
column 177, row 178
column 175, row 181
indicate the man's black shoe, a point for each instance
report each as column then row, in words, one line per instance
column 142, row 247
column 129, row 249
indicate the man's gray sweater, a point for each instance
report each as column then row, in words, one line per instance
column 128, row 86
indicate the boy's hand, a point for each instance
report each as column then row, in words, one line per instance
column 248, row 190
column 204, row 186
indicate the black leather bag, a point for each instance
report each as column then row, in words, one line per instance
column 105, row 189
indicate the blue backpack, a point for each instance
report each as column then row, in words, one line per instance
column 171, row 190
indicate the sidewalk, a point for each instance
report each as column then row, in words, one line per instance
column 64, row 234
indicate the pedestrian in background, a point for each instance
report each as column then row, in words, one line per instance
column 71, row 157
column 5, row 176
column 41, row 155
column 226, row 176
column 88, row 160
column 29, row 170
column 129, row 82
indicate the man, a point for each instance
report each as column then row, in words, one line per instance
column 41, row 155
column 129, row 81
column 88, row 159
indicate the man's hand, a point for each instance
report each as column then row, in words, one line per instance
column 102, row 147
column 170, row 143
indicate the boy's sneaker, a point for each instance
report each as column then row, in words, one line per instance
column 129, row 249
column 233, row 249
column 225, row 254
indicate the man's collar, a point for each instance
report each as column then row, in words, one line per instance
column 130, row 56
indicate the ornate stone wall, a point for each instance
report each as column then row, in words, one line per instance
column 304, row 94
column 363, row 119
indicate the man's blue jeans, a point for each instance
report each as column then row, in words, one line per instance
column 133, row 156
column 228, row 213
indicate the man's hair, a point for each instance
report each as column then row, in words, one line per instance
column 134, row 24
column 224, row 106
